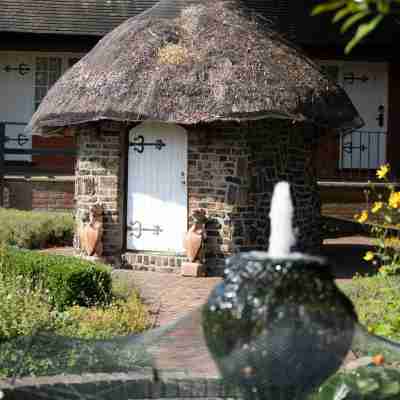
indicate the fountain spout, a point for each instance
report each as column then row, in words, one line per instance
column 282, row 237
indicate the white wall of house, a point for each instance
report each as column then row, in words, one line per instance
column 366, row 83
column 25, row 78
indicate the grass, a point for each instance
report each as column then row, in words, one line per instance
column 377, row 302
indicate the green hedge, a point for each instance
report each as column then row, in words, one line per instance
column 35, row 229
column 67, row 280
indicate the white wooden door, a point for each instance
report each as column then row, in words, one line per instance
column 157, row 193
column 367, row 86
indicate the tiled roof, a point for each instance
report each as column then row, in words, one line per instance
column 83, row 17
column 98, row 17
column 93, row 17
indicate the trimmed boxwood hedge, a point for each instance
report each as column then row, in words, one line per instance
column 35, row 229
column 67, row 280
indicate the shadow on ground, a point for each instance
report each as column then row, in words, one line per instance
column 345, row 255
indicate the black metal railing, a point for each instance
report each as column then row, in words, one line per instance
column 362, row 150
column 16, row 154
column 357, row 156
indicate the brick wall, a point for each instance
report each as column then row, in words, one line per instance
column 232, row 169
column 40, row 193
column 54, row 163
column 53, row 195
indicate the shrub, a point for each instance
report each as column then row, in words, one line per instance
column 50, row 355
column 377, row 303
column 23, row 309
column 67, row 280
column 36, row 338
column 383, row 216
column 34, row 229
column 122, row 317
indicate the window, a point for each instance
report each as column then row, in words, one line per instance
column 48, row 71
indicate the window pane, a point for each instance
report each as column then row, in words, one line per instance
column 55, row 64
column 48, row 70
column 53, row 77
column 41, row 78
column 40, row 92
column 42, row 64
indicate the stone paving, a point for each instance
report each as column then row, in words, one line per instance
column 173, row 298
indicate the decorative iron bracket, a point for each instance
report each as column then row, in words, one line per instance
column 138, row 144
column 22, row 68
column 21, row 139
column 348, row 147
column 351, row 78
column 136, row 229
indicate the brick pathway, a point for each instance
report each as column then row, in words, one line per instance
column 171, row 297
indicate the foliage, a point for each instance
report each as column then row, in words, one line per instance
column 122, row 317
column 377, row 303
column 34, row 229
column 50, row 355
column 383, row 216
column 365, row 14
column 67, row 280
column 23, row 309
column 36, row 338
column 361, row 384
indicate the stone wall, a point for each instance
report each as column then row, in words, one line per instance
column 100, row 178
column 232, row 169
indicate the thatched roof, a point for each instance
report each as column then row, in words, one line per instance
column 208, row 60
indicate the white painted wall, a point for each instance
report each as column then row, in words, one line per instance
column 368, row 96
column 17, row 93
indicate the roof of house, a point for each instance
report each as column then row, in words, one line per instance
column 195, row 61
column 88, row 17
column 98, row 17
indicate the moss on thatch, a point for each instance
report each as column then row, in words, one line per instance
column 212, row 60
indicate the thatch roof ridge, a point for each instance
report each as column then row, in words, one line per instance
column 212, row 60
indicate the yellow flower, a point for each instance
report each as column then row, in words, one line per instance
column 369, row 255
column 393, row 242
column 394, row 200
column 383, row 171
column 363, row 217
column 377, row 206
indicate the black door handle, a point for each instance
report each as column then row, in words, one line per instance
column 381, row 115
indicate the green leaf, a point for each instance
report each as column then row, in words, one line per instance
column 341, row 14
column 388, row 219
column 383, row 6
column 362, row 31
column 353, row 19
column 329, row 6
